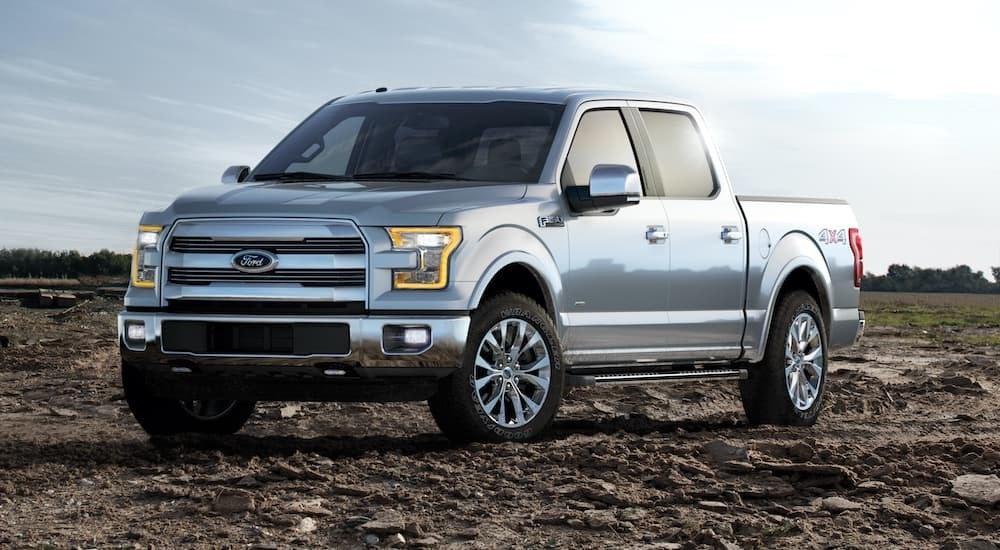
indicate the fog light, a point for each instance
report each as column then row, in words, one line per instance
column 406, row 338
column 135, row 332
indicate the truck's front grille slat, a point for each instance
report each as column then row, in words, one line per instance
column 310, row 245
column 307, row 277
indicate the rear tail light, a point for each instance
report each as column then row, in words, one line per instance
column 854, row 237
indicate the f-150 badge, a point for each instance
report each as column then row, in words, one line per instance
column 833, row 236
column 550, row 221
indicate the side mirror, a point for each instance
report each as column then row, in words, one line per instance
column 611, row 186
column 235, row 174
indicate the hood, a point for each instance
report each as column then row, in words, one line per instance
column 366, row 203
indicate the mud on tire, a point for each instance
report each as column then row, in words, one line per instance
column 787, row 387
column 511, row 380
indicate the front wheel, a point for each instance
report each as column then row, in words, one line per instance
column 787, row 387
column 161, row 416
column 511, row 379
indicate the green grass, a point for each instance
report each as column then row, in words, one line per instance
column 923, row 316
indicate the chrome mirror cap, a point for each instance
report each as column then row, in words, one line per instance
column 615, row 180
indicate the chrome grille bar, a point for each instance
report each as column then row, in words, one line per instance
column 308, row 245
column 305, row 277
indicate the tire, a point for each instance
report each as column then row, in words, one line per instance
column 159, row 416
column 788, row 390
column 508, row 397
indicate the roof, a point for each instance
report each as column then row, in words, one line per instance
column 476, row 94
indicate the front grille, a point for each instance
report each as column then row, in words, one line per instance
column 309, row 245
column 305, row 277
column 227, row 307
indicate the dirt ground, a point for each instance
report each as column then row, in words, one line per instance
column 654, row 466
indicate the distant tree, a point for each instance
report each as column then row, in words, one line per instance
column 903, row 278
column 32, row 262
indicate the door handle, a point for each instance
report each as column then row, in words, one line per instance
column 656, row 234
column 731, row 234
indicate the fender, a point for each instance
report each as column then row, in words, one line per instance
column 794, row 251
column 529, row 251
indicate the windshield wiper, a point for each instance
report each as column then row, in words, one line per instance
column 408, row 176
column 299, row 176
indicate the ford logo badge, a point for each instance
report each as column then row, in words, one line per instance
column 254, row 261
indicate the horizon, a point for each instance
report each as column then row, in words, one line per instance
column 114, row 108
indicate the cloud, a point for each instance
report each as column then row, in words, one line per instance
column 273, row 120
column 42, row 72
column 782, row 48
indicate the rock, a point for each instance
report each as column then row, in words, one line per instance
column 600, row 519
column 824, row 474
column 248, row 481
column 837, row 505
column 310, row 507
column 737, row 466
column 721, row 452
column 926, row 530
column 306, row 525
column 386, row 522
column 429, row 541
column 64, row 413
column 601, row 491
column 349, row 490
column 395, row 541
column 289, row 411
column 233, row 501
column 871, row 487
column 977, row 488
column 371, row 539
column 801, row 452
column 713, row 506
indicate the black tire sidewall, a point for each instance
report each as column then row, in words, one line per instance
column 160, row 416
column 804, row 304
column 765, row 393
column 458, row 395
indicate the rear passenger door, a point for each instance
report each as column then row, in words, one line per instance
column 707, row 246
column 615, row 289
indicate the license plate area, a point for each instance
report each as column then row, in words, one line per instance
column 221, row 338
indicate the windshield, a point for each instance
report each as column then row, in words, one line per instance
column 501, row 141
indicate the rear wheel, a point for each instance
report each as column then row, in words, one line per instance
column 161, row 416
column 787, row 387
column 511, row 379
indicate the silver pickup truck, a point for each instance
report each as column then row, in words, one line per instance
column 484, row 249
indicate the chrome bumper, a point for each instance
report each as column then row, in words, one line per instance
column 447, row 344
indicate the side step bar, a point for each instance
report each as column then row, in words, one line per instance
column 641, row 377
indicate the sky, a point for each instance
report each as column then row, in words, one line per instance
column 110, row 108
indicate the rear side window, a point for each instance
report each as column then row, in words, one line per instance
column 679, row 155
column 600, row 138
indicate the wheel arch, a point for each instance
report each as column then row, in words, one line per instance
column 796, row 263
column 517, row 272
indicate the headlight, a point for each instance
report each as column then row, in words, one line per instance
column 433, row 246
column 145, row 260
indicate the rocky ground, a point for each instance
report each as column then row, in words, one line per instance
column 905, row 454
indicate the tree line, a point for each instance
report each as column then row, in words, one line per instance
column 961, row 278
column 32, row 262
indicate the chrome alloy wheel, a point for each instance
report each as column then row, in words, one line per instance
column 208, row 409
column 803, row 361
column 512, row 372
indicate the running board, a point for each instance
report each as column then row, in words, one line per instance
column 640, row 377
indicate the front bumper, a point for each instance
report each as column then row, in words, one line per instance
column 366, row 353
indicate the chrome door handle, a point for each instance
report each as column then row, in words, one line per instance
column 656, row 234
column 731, row 234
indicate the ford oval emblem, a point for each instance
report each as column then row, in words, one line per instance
column 254, row 261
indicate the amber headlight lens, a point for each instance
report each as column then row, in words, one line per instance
column 433, row 246
column 144, row 261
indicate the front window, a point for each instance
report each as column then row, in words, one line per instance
column 501, row 141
